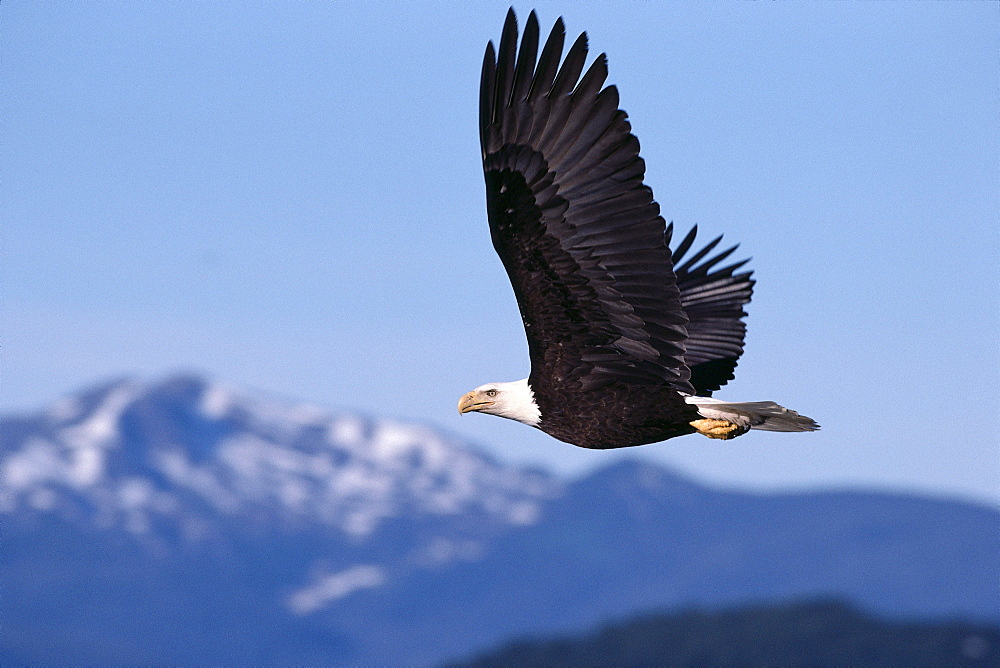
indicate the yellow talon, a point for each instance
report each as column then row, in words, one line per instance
column 718, row 428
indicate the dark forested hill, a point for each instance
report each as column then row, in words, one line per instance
column 801, row 634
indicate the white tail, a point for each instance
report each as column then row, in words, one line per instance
column 765, row 415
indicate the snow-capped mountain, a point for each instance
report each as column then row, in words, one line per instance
column 184, row 450
column 185, row 521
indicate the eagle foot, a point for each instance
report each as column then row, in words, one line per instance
column 723, row 429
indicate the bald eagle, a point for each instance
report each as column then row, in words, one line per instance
column 627, row 338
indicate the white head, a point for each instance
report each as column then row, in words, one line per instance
column 514, row 401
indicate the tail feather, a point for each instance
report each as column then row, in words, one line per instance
column 764, row 415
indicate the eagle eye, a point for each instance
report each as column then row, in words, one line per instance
column 491, row 393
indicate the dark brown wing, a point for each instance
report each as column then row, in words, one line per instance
column 578, row 232
column 713, row 299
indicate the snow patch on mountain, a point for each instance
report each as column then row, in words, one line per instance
column 329, row 587
column 75, row 454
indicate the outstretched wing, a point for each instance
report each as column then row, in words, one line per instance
column 578, row 232
column 713, row 299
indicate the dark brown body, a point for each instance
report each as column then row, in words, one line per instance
column 617, row 416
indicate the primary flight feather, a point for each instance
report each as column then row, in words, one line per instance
column 627, row 338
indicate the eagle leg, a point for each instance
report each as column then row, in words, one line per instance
column 723, row 429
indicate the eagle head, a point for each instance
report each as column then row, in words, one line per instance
column 514, row 401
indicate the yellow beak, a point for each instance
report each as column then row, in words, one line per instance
column 472, row 402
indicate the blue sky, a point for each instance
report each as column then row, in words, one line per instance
column 288, row 196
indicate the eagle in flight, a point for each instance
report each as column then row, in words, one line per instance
column 627, row 338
